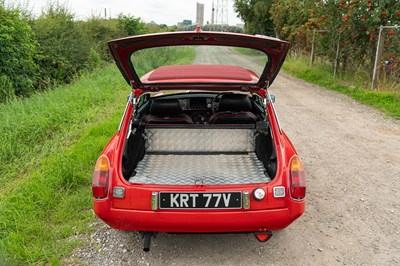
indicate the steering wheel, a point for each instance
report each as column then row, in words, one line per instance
column 215, row 102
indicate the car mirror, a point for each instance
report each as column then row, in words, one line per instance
column 272, row 98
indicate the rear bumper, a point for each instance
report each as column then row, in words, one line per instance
column 198, row 221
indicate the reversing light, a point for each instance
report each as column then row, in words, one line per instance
column 119, row 192
column 101, row 178
column 279, row 192
column 297, row 179
column 258, row 194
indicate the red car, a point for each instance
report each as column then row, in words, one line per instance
column 200, row 148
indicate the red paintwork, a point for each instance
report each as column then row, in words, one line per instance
column 134, row 211
column 199, row 73
column 198, row 221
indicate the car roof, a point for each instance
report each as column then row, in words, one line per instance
column 200, row 73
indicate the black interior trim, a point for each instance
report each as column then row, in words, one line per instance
column 196, row 126
column 134, row 151
column 196, row 153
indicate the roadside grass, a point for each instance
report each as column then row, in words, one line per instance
column 49, row 144
column 53, row 204
column 161, row 56
column 352, row 84
column 28, row 125
column 248, row 51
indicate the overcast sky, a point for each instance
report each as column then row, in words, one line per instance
column 159, row 11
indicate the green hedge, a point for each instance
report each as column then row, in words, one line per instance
column 18, row 70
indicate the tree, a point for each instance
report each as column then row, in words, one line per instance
column 131, row 25
column 353, row 25
column 256, row 15
column 358, row 28
column 292, row 19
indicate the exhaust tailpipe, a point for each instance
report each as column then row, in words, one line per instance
column 147, row 240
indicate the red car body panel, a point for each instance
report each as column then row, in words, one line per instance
column 197, row 221
column 134, row 211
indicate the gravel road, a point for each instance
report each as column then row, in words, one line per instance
column 351, row 154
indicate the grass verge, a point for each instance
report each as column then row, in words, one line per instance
column 53, row 140
column 349, row 84
column 248, row 51
column 49, row 145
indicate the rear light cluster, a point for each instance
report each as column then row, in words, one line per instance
column 297, row 179
column 101, row 176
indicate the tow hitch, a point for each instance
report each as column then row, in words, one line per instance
column 263, row 236
column 147, row 240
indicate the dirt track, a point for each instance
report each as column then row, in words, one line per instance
column 352, row 158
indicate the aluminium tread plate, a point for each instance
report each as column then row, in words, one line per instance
column 199, row 140
column 207, row 169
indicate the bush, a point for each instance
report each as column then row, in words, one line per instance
column 95, row 60
column 63, row 49
column 37, row 54
column 18, row 70
column 99, row 31
column 131, row 25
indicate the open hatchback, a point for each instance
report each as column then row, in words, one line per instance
column 199, row 148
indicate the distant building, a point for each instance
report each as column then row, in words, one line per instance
column 200, row 14
column 185, row 22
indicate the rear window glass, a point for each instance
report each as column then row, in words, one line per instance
column 149, row 59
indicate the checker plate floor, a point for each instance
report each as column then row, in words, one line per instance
column 207, row 169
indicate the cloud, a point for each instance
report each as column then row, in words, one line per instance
column 159, row 11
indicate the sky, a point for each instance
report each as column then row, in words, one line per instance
column 159, row 11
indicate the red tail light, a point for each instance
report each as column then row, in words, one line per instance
column 101, row 178
column 297, row 179
column 263, row 236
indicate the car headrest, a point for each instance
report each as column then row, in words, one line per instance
column 165, row 107
column 234, row 103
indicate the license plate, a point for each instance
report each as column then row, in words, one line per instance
column 192, row 200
